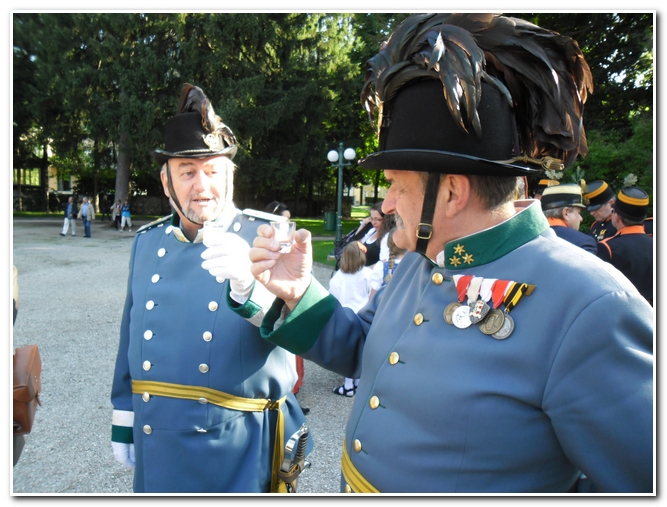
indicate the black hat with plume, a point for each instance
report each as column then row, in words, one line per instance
column 194, row 132
column 476, row 94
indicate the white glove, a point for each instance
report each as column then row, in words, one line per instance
column 124, row 454
column 227, row 258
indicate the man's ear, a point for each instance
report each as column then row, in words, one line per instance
column 455, row 192
column 164, row 180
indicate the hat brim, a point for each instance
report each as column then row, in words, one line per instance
column 442, row 162
column 594, row 207
column 161, row 156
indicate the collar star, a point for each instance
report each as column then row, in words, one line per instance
column 490, row 244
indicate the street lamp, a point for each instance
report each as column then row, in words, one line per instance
column 336, row 158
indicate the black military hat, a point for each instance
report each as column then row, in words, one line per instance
column 195, row 131
column 598, row 192
column 418, row 134
column 558, row 196
column 632, row 203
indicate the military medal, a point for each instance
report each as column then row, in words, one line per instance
column 493, row 322
column 480, row 309
column 461, row 317
column 507, row 327
column 477, row 309
column 449, row 311
column 461, row 282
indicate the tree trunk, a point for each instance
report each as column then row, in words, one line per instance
column 44, row 179
column 123, row 170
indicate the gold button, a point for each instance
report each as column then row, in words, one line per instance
column 148, row 334
column 150, row 305
column 348, row 489
column 213, row 306
column 220, row 279
column 237, row 226
column 419, row 318
column 155, row 278
column 148, row 430
column 146, row 397
column 202, row 401
column 208, row 336
column 161, row 252
column 146, row 365
column 203, row 368
column 168, row 230
column 374, row 402
column 393, row 358
column 356, row 445
column 437, row 278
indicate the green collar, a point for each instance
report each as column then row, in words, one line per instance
column 491, row 244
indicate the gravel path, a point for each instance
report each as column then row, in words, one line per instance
column 72, row 291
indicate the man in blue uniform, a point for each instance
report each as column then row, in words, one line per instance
column 630, row 250
column 201, row 403
column 562, row 206
column 601, row 198
column 499, row 358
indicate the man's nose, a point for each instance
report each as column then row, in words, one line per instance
column 202, row 181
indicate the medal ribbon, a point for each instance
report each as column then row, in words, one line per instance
column 498, row 292
column 514, row 295
column 485, row 290
column 462, row 285
column 473, row 289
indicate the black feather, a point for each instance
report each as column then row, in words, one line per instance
column 542, row 74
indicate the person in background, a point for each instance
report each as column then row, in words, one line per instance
column 500, row 358
column 126, row 217
column 372, row 239
column 562, row 206
column 70, row 217
column 87, row 213
column 351, row 286
column 601, row 198
column 383, row 271
column 18, row 440
column 116, row 212
column 630, row 250
column 542, row 184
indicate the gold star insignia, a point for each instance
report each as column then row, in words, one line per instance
column 455, row 260
column 459, row 249
column 467, row 258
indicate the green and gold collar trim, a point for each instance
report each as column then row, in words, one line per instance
column 491, row 244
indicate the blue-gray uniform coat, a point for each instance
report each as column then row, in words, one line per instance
column 177, row 328
column 449, row 410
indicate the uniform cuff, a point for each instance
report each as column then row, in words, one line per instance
column 300, row 330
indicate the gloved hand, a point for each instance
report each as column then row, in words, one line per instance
column 227, row 258
column 124, row 454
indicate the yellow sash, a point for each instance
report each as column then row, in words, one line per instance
column 227, row 401
column 353, row 477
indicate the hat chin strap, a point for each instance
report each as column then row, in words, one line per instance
column 425, row 227
column 175, row 200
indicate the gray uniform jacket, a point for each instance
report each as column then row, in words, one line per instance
column 450, row 410
column 177, row 328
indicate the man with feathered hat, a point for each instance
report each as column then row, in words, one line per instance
column 500, row 358
column 201, row 403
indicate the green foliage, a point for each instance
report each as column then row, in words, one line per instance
column 98, row 88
